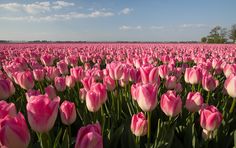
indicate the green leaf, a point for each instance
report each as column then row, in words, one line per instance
column 65, row 139
column 55, row 145
column 235, row 138
column 115, row 137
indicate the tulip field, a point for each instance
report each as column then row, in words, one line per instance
column 117, row 95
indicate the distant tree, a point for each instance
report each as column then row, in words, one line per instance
column 203, row 39
column 232, row 33
column 217, row 35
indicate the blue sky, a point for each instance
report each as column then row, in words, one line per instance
column 113, row 20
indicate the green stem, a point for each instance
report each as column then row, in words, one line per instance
column 149, row 129
column 232, row 106
column 208, row 96
column 193, row 88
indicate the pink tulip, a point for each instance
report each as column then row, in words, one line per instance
column 193, row 75
column 78, row 73
column 229, row 69
column 93, row 101
column 210, row 118
column 209, row 83
column 24, row 79
column 147, row 96
column 87, row 82
column 89, row 136
column 134, row 90
column 7, row 109
column 42, row 113
column 6, row 89
column 194, row 101
column 70, row 81
column 171, row 104
column 50, row 91
column 63, row 67
column 51, row 73
column 163, row 71
column 60, row 83
column 47, row 59
column 149, row 74
column 82, row 94
column 139, row 124
column 109, row 83
column 30, row 93
column 68, row 112
column 170, row 82
column 230, row 85
column 39, row 74
column 100, row 89
column 14, row 132
column 115, row 70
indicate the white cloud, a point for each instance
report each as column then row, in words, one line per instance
column 124, row 27
column 126, row 11
column 157, row 27
column 36, row 7
column 59, row 17
column 193, row 26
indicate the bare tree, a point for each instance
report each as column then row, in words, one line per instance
column 232, row 33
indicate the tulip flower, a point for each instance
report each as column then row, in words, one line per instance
column 209, row 83
column 194, row 101
column 24, row 79
column 6, row 89
column 60, row 83
column 68, row 112
column 139, row 124
column 7, row 109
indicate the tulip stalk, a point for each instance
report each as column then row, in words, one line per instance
column 232, row 106
column 149, row 129
column 208, row 96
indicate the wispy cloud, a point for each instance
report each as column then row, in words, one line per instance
column 194, row 26
column 36, row 7
column 125, row 27
column 126, row 11
column 59, row 17
column 157, row 27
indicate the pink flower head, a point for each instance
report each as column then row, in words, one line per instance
column 139, row 124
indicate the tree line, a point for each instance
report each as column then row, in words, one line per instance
column 220, row 35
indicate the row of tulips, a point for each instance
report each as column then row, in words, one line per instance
column 117, row 95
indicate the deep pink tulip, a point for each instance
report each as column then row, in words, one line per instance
column 209, row 83
column 30, row 93
column 63, row 67
column 87, row 82
column 194, row 101
column 89, row 136
column 149, row 74
column 68, row 112
column 139, row 124
column 6, row 89
column 39, row 74
column 42, row 113
column 24, row 79
column 230, row 85
column 47, row 59
column 171, row 104
column 50, row 91
column 163, row 71
column 147, row 96
column 100, row 89
column 14, row 132
column 7, row 109
column 93, row 101
column 60, row 83
column 210, row 118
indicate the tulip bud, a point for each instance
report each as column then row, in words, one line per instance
column 7, row 109
column 70, row 81
column 60, row 83
column 38, row 74
column 170, row 82
column 68, row 112
column 50, row 91
column 194, row 101
column 25, row 80
column 139, row 124
column 209, row 83
column 230, row 85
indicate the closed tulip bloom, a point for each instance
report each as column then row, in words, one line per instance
column 109, row 83
column 7, row 109
column 63, row 67
column 47, row 59
column 163, row 71
column 230, row 85
column 147, row 96
column 14, row 132
column 60, row 83
column 68, row 112
column 25, row 80
column 170, row 82
column 6, row 89
column 39, row 74
column 193, row 75
column 139, row 124
column 194, row 101
column 70, row 81
column 82, row 94
column 229, row 69
column 209, row 83
column 115, row 70
column 50, row 91
column 210, row 118
column 134, row 92
column 89, row 136
column 149, row 74
column 88, row 82
column 42, row 113
column 78, row 73
column 51, row 73
column 100, row 89
column 171, row 104
column 93, row 101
